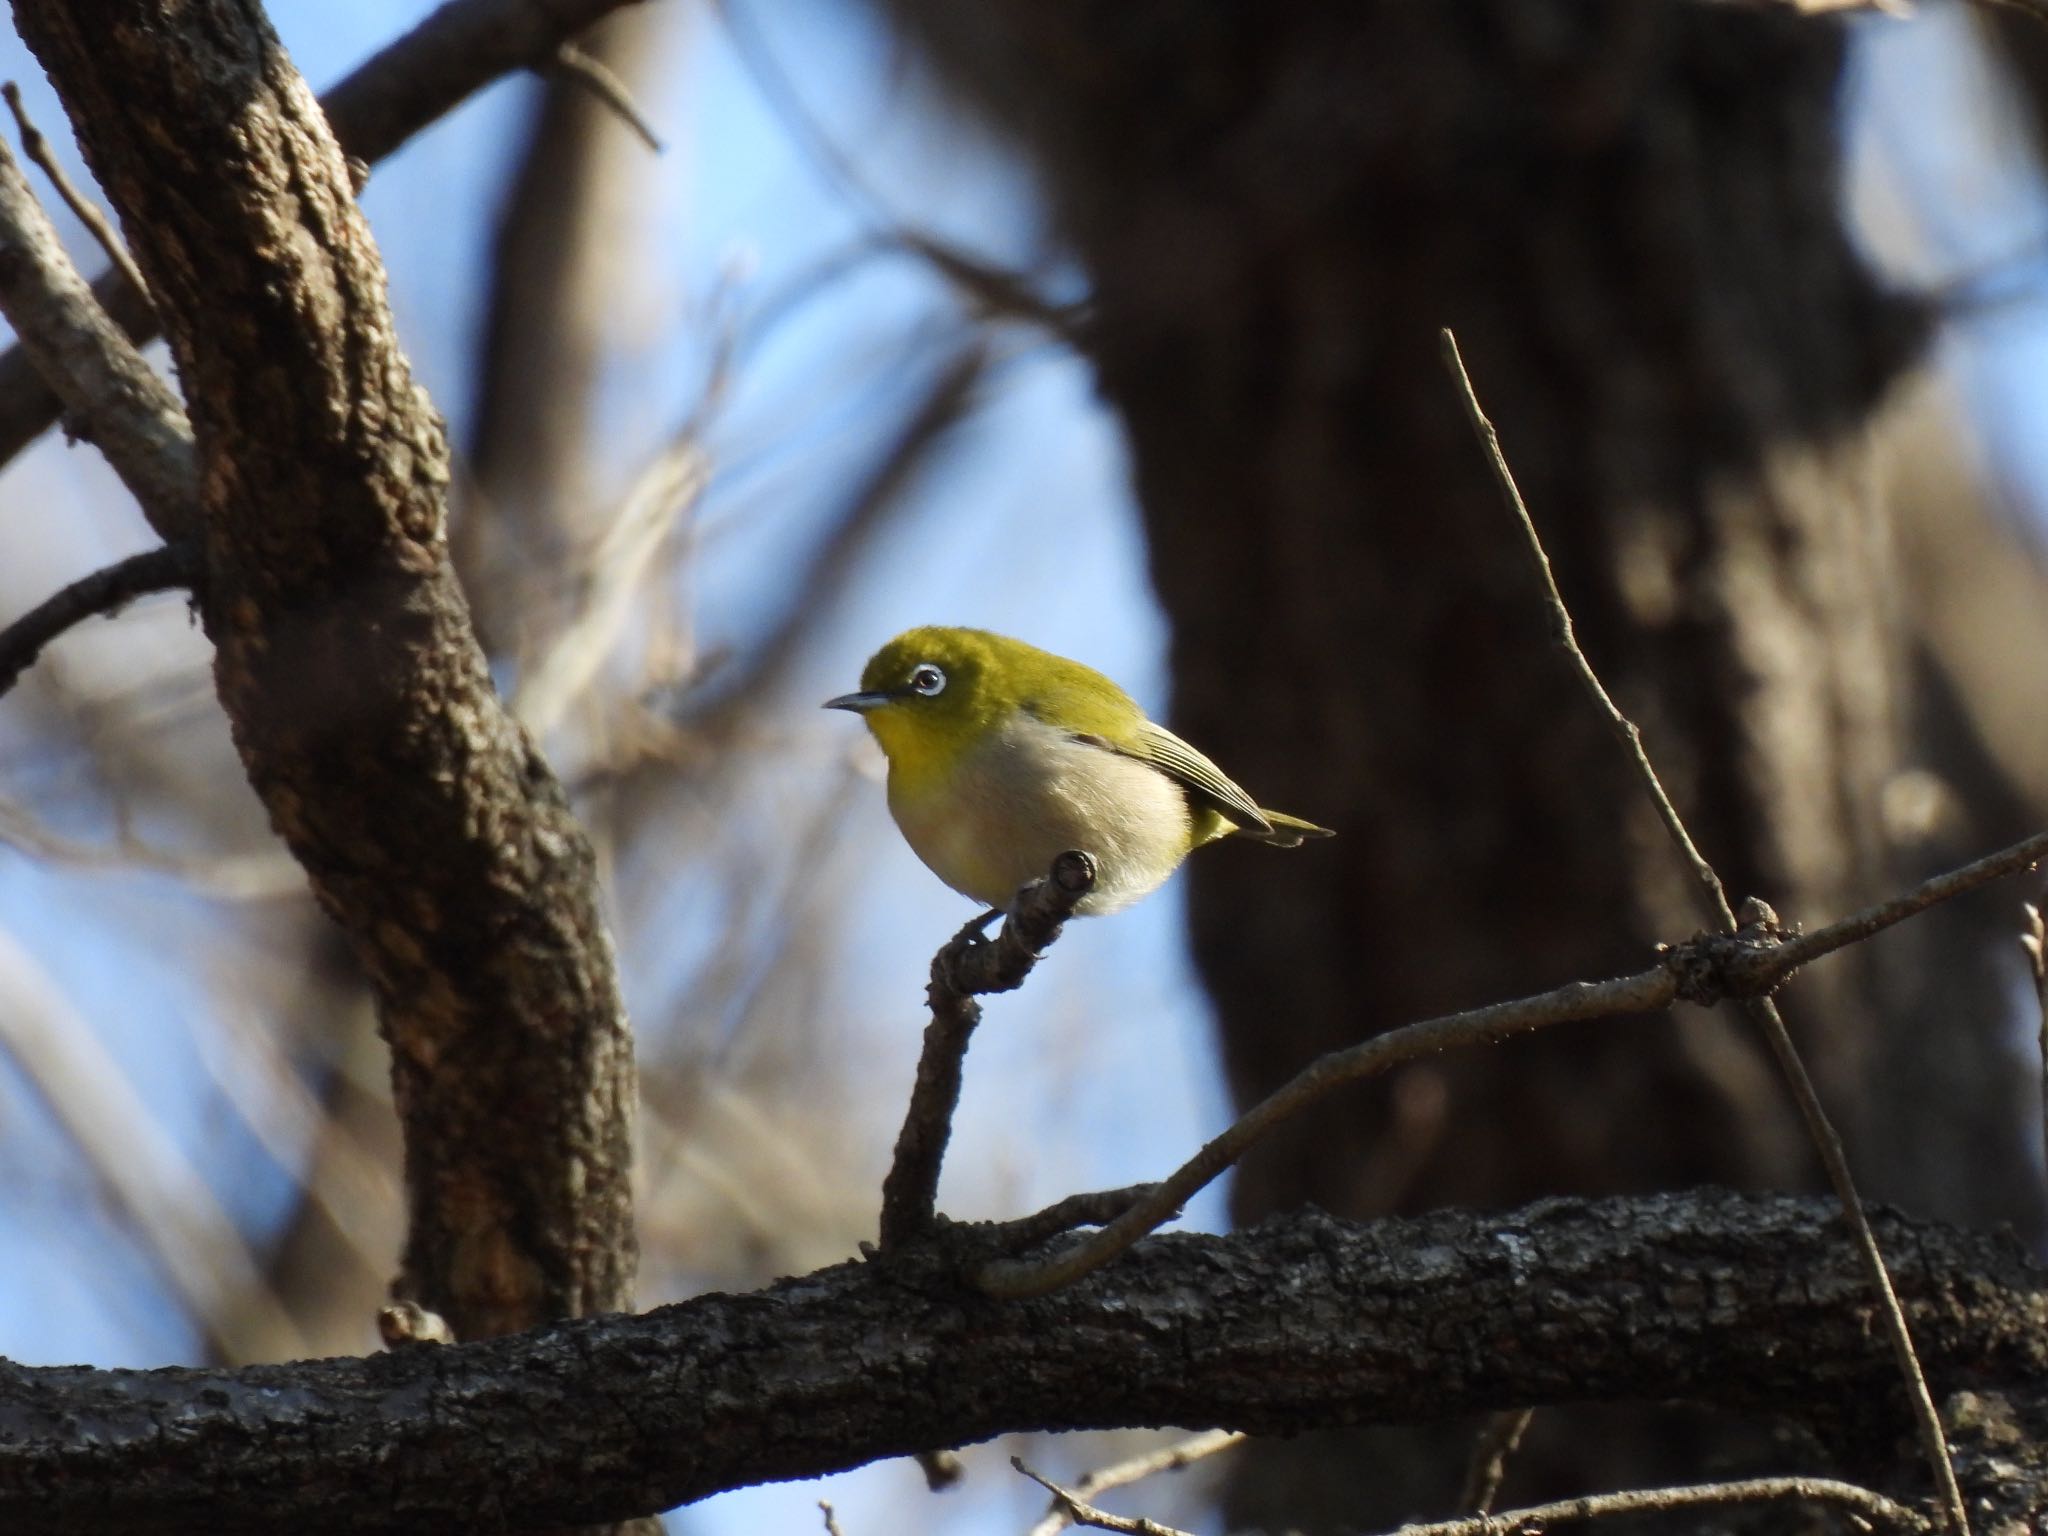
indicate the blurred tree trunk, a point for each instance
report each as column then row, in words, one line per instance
column 1629, row 213
column 568, row 295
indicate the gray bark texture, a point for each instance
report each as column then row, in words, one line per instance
column 1742, row 1303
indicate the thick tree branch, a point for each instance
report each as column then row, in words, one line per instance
column 361, row 705
column 456, row 51
column 1303, row 1321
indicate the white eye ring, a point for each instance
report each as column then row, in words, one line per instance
column 927, row 680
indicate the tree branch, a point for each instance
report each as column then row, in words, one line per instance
column 102, row 594
column 1820, row 1129
column 1751, row 962
column 111, row 396
column 969, row 966
column 1301, row 1322
column 361, row 705
column 406, row 87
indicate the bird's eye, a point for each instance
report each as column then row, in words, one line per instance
column 927, row 679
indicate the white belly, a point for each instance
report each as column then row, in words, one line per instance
column 1032, row 792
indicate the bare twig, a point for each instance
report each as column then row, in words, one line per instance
column 1093, row 1209
column 1751, row 962
column 111, row 396
column 942, row 1469
column 1801, row 947
column 1762, row 1009
column 1080, row 1512
column 1167, row 1458
column 1496, row 1441
column 1643, row 992
column 1562, row 632
column 102, row 594
column 1875, row 1508
column 987, row 287
column 968, row 967
column 457, row 50
column 87, row 212
column 598, row 78
column 1872, row 1507
column 831, row 1519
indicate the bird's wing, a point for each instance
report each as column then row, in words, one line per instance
column 1156, row 745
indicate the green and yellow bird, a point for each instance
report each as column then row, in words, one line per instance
column 1003, row 756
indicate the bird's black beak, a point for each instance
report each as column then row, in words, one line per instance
column 859, row 703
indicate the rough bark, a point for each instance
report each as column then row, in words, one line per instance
column 361, row 706
column 1305, row 1321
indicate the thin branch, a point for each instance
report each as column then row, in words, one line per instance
column 111, row 396
column 1567, row 640
column 102, row 594
column 831, row 1519
column 1801, row 947
column 598, row 78
column 83, row 208
column 1167, row 1458
column 405, row 87
column 1642, row 992
column 1093, row 1209
column 1752, row 962
column 1875, row 1508
column 988, row 288
column 969, row 966
column 1762, row 1009
column 1080, row 1512
column 1497, row 1440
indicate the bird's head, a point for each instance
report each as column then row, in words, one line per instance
column 931, row 692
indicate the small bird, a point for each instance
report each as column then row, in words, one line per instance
column 1003, row 756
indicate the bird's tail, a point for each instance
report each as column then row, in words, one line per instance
column 1287, row 831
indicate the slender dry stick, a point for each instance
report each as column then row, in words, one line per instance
column 1168, row 1458
column 1875, row 1508
column 1799, row 948
column 598, row 78
column 1495, row 1443
column 1080, row 1512
column 101, row 594
column 969, row 966
column 1642, row 992
column 1751, row 962
column 831, row 1518
column 1763, row 1009
column 88, row 213
column 1567, row 640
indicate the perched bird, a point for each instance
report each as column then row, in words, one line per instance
column 1003, row 756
